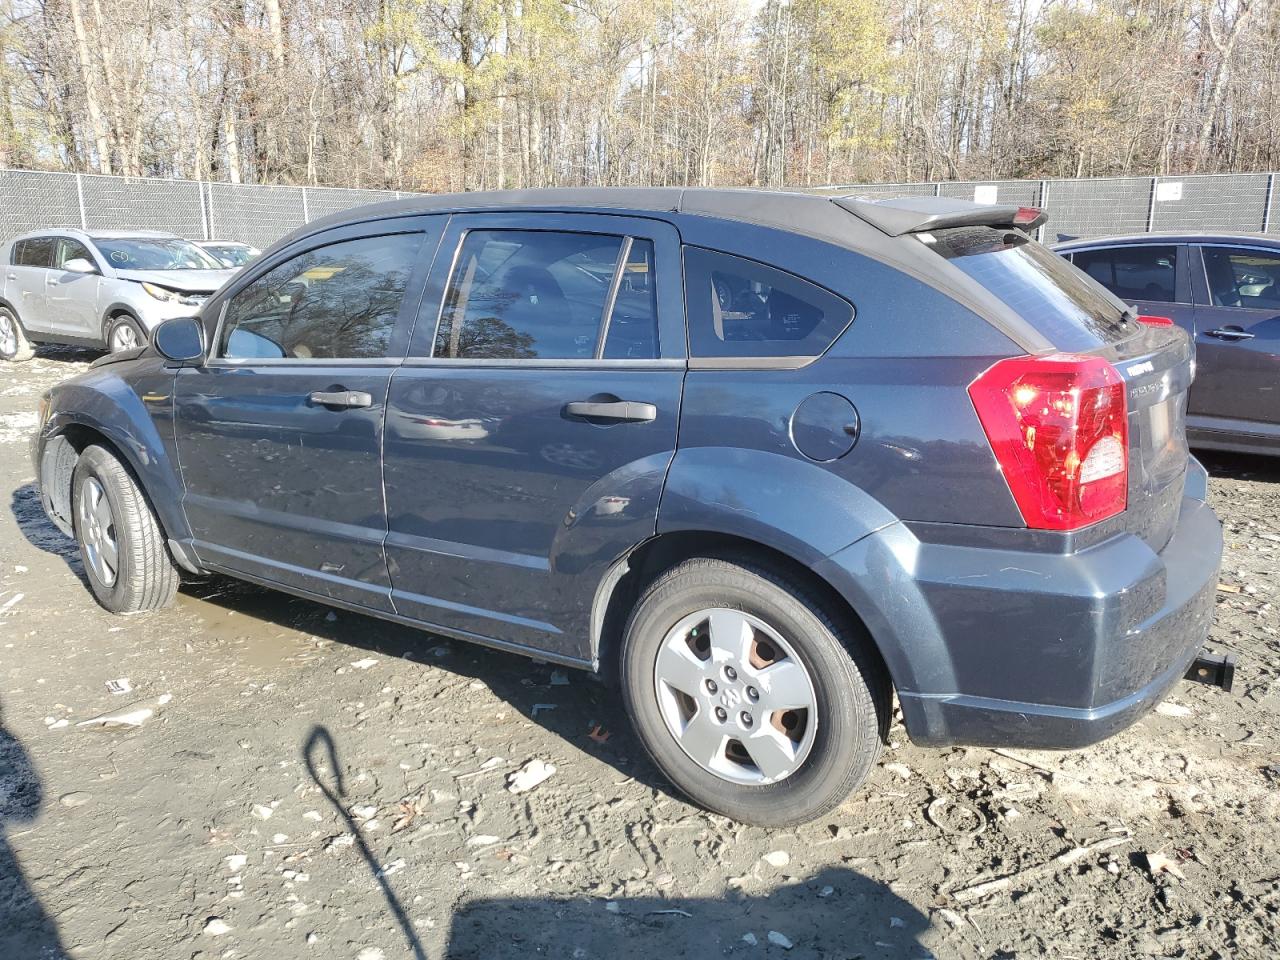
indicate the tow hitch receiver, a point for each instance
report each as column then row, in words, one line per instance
column 1217, row 670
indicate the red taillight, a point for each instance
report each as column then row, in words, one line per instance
column 1059, row 430
column 1155, row 321
column 1028, row 217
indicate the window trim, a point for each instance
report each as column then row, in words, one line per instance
column 409, row 303
column 1181, row 269
column 1204, row 268
column 780, row 362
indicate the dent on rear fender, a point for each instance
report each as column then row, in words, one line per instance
column 792, row 505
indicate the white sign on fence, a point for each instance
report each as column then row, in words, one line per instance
column 985, row 193
column 1167, row 190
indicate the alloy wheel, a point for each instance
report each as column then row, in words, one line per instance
column 8, row 336
column 123, row 337
column 98, row 532
column 735, row 696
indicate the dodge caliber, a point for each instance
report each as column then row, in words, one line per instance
column 762, row 460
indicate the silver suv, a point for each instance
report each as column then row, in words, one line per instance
column 99, row 287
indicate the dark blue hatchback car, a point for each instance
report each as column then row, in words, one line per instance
column 761, row 459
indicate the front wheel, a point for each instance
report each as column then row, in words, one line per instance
column 14, row 345
column 757, row 700
column 123, row 333
column 126, row 559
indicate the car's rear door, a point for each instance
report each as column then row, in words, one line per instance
column 26, row 282
column 531, row 427
column 279, row 432
column 1237, row 291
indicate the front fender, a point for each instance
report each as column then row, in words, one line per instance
column 130, row 415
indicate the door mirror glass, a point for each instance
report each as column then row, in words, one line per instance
column 181, row 339
column 79, row 265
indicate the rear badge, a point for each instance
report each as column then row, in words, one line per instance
column 1138, row 369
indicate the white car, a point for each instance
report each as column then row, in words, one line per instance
column 99, row 288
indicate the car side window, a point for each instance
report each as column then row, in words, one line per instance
column 34, row 252
column 1143, row 272
column 741, row 308
column 339, row 301
column 549, row 295
column 1240, row 277
column 69, row 249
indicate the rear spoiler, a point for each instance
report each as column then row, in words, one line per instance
column 916, row 214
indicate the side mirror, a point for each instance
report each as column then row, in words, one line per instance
column 79, row 265
column 180, row 339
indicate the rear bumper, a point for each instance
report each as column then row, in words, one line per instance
column 1004, row 648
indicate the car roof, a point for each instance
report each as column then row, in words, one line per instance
column 98, row 234
column 823, row 216
column 220, row 243
column 1171, row 236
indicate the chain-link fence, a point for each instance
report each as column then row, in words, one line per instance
column 1103, row 206
column 262, row 214
column 250, row 213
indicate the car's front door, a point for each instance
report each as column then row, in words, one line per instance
column 1237, row 384
column 279, row 432
column 73, row 297
column 530, row 429
column 27, row 281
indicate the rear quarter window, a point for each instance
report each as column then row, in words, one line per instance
column 1069, row 309
column 739, row 308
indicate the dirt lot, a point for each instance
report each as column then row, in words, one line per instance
column 317, row 784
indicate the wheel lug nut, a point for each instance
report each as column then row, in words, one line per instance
column 721, row 714
column 753, row 694
column 745, row 718
column 711, row 687
column 730, row 673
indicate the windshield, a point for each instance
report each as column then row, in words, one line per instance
column 233, row 255
column 1070, row 309
column 156, row 254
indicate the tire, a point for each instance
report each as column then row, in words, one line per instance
column 109, row 508
column 14, row 345
column 124, row 333
column 819, row 766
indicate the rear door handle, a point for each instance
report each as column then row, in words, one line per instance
column 619, row 411
column 1229, row 333
column 341, row 398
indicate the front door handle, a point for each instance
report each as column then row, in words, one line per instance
column 619, row 411
column 341, row 398
column 1231, row 333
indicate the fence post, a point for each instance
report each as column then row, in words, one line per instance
column 206, row 191
column 204, row 214
column 84, row 223
column 306, row 212
column 1043, row 204
column 1151, row 205
column 1266, row 206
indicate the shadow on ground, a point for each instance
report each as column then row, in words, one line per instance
column 26, row 931
column 1240, row 466
column 835, row 913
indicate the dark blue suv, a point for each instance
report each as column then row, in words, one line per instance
column 761, row 459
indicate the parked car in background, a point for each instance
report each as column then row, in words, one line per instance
column 231, row 253
column 98, row 288
column 1223, row 289
column 758, row 458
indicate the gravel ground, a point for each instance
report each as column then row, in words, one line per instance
column 312, row 783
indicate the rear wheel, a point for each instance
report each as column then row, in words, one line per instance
column 123, row 333
column 126, row 559
column 756, row 699
column 14, row 344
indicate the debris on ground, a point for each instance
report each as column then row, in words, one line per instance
column 530, row 775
